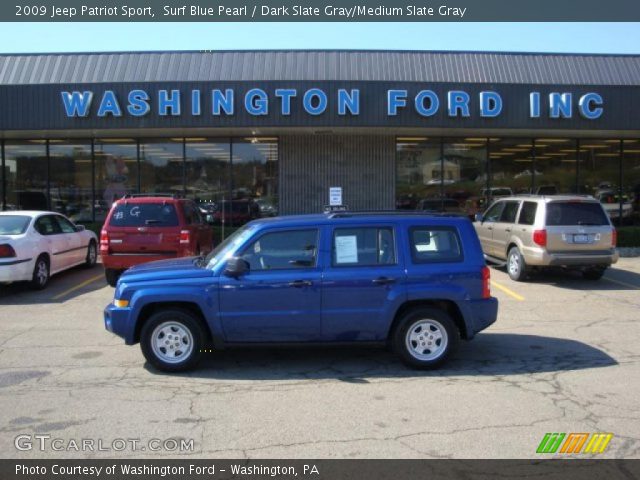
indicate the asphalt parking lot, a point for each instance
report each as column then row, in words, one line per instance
column 563, row 357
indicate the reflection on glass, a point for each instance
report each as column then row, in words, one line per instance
column 418, row 173
column 116, row 172
column 600, row 175
column 465, row 173
column 512, row 167
column 631, row 169
column 555, row 166
column 254, row 178
column 70, row 186
column 26, row 175
column 161, row 166
column 207, row 171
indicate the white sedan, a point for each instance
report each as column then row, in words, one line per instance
column 35, row 245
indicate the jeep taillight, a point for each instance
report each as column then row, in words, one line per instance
column 104, row 241
column 614, row 238
column 185, row 237
column 540, row 237
column 7, row 251
column 486, row 282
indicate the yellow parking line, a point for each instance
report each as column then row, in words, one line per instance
column 624, row 284
column 509, row 292
column 77, row 287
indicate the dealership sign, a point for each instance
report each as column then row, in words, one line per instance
column 316, row 101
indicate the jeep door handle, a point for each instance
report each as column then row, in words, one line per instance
column 507, row 229
column 300, row 283
column 383, row 281
column 489, row 228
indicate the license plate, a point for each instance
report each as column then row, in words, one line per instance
column 581, row 239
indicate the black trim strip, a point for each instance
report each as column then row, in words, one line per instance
column 71, row 250
column 15, row 262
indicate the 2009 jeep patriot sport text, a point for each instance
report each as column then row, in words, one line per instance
column 417, row 282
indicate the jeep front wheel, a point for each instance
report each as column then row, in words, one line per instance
column 425, row 338
column 172, row 340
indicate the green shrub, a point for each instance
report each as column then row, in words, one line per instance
column 629, row 237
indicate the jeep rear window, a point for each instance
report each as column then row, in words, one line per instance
column 144, row 215
column 435, row 244
column 575, row 213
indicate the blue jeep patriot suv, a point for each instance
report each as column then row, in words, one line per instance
column 416, row 282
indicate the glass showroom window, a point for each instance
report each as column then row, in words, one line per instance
column 26, row 175
column 70, row 185
column 208, row 172
column 512, row 167
column 556, row 166
column 418, row 172
column 631, row 170
column 464, row 173
column 600, row 174
column 254, row 175
column 161, row 166
column 116, row 164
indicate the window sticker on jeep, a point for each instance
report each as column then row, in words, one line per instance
column 346, row 249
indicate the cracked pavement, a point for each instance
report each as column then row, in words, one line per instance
column 565, row 359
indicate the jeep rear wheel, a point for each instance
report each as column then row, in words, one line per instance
column 425, row 338
column 172, row 340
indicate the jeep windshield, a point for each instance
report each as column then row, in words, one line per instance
column 227, row 246
column 575, row 213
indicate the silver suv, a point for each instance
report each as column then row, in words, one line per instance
column 531, row 232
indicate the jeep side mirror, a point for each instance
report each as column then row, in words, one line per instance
column 479, row 217
column 80, row 228
column 236, row 267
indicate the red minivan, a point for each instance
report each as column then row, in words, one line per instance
column 141, row 229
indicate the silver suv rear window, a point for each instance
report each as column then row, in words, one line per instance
column 575, row 213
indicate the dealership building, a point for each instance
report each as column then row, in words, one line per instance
column 393, row 129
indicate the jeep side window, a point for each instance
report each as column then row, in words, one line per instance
column 435, row 244
column 509, row 212
column 528, row 213
column 493, row 214
column 363, row 246
column 283, row 250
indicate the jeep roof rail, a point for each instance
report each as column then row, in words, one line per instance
column 423, row 213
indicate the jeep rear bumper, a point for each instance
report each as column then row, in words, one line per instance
column 482, row 313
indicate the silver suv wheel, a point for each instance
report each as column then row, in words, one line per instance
column 514, row 263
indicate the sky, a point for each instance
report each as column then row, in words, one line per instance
column 532, row 37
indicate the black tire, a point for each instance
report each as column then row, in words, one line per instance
column 518, row 270
column 593, row 273
column 191, row 336
column 112, row 276
column 410, row 322
column 92, row 255
column 41, row 273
